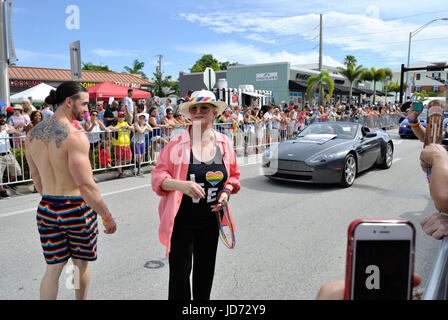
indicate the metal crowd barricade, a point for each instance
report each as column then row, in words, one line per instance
column 13, row 164
column 109, row 148
column 437, row 287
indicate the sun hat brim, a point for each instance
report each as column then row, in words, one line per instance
column 184, row 108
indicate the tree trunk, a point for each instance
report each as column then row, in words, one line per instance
column 321, row 94
column 350, row 93
column 374, row 91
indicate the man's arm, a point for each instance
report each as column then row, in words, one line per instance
column 33, row 168
column 81, row 171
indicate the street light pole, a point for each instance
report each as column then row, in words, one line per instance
column 411, row 34
column 4, row 78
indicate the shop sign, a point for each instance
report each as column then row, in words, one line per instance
column 131, row 85
column 24, row 83
column 88, row 84
column 266, row 76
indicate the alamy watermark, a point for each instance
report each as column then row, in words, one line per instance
column 73, row 21
column 72, row 282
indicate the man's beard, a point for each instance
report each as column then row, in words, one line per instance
column 78, row 115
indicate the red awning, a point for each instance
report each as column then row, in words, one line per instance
column 106, row 90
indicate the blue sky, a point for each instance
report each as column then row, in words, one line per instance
column 114, row 32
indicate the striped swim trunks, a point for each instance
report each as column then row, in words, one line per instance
column 68, row 228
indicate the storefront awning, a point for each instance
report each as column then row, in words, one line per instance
column 338, row 89
column 253, row 94
column 296, row 85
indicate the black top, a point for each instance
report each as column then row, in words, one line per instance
column 211, row 177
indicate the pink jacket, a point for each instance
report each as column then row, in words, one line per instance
column 172, row 163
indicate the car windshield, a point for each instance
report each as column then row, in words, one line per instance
column 341, row 130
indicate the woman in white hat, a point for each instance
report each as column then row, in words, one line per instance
column 19, row 122
column 195, row 173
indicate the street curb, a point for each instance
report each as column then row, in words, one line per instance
column 27, row 188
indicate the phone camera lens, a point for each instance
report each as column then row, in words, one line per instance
column 374, row 231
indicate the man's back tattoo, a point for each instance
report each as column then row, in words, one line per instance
column 50, row 130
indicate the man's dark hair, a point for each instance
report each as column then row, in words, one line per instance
column 67, row 89
column 130, row 90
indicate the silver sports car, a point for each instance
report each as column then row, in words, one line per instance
column 328, row 152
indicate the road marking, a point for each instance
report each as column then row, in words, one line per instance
column 396, row 160
column 104, row 195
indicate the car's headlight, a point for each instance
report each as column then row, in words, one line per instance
column 321, row 158
column 403, row 126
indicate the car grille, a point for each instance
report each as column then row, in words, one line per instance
column 292, row 176
column 293, row 165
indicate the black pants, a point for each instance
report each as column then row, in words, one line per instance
column 197, row 244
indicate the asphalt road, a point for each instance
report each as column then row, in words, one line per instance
column 291, row 238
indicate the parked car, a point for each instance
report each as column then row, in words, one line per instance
column 328, row 152
column 405, row 131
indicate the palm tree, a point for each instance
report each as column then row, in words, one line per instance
column 375, row 76
column 352, row 74
column 137, row 68
column 323, row 78
column 395, row 87
column 350, row 60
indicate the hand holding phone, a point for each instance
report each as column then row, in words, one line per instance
column 380, row 260
column 417, row 106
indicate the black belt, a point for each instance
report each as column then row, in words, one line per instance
column 4, row 153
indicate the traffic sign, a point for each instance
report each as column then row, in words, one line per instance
column 209, row 78
column 234, row 98
column 75, row 60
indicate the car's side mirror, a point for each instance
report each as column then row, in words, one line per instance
column 371, row 134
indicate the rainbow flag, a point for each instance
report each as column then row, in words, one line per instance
column 235, row 126
column 413, row 83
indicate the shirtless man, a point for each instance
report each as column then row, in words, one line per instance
column 58, row 157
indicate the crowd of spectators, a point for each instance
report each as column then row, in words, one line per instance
column 132, row 131
column 256, row 126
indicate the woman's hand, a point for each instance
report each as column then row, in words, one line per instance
column 221, row 198
column 413, row 115
column 192, row 189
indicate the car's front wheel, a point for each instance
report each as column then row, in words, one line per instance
column 388, row 157
column 349, row 172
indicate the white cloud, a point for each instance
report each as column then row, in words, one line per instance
column 249, row 54
column 361, row 33
column 115, row 53
column 259, row 37
column 27, row 56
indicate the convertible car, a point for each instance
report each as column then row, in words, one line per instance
column 328, row 152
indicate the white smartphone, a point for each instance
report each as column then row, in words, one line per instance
column 380, row 260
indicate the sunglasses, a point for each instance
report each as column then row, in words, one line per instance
column 195, row 109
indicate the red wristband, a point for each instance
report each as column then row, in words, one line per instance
column 107, row 219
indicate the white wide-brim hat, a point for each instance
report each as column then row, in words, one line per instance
column 202, row 96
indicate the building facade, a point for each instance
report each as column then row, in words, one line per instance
column 431, row 81
column 22, row 78
column 286, row 83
